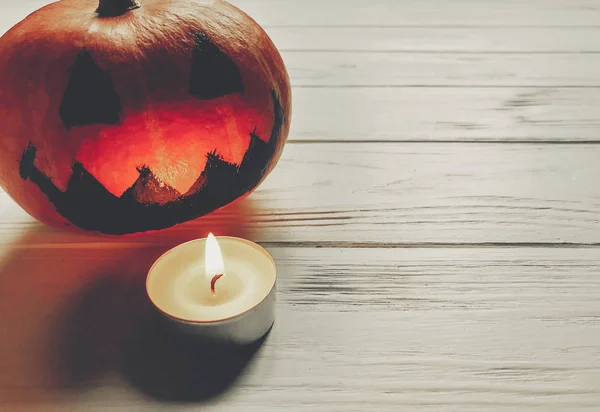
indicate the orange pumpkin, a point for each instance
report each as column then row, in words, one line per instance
column 130, row 117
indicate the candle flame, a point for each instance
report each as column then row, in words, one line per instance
column 214, row 258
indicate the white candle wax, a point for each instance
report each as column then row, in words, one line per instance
column 240, row 309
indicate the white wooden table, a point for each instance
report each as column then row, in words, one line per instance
column 435, row 218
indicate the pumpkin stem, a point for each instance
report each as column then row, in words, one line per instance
column 113, row 8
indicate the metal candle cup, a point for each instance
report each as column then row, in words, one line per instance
column 221, row 289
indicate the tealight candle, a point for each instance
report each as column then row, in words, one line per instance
column 221, row 289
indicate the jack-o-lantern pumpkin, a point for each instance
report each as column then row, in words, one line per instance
column 131, row 117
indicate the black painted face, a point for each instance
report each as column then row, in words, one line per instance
column 90, row 99
column 213, row 73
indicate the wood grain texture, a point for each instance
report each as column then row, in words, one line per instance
column 446, row 114
column 418, row 36
column 380, row 13
column 394, row 193
column 344, row 69
column 444, row 13
column 551, row 40
column 433, row 329
column 436, row 249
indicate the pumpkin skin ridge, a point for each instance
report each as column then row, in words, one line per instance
column 164, row 215
column 225, row 25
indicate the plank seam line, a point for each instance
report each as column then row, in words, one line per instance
column 444, row 86
column 331, row 245
column 449, row 141
column 433, row 245
column 421, row 51
column 433, row 26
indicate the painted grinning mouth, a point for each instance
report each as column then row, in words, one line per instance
column 149, row 204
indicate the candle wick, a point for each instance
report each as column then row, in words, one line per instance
column 214, row 281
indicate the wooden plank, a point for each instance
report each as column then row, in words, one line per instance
column 14, row 12
column 457, row 114
column 348, row 69
column 405, row 13
column 510, row 13
column 389, row 194
column 356, row 329
column 403, row 39
column 438, row 40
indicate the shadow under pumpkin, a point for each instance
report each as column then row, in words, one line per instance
column 149, row 204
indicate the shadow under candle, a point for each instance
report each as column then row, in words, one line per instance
column 74, row 309
column 114, row 327
column 170, row 366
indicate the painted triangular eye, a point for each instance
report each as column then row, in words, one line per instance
column 89, row 97
column 214, row 74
